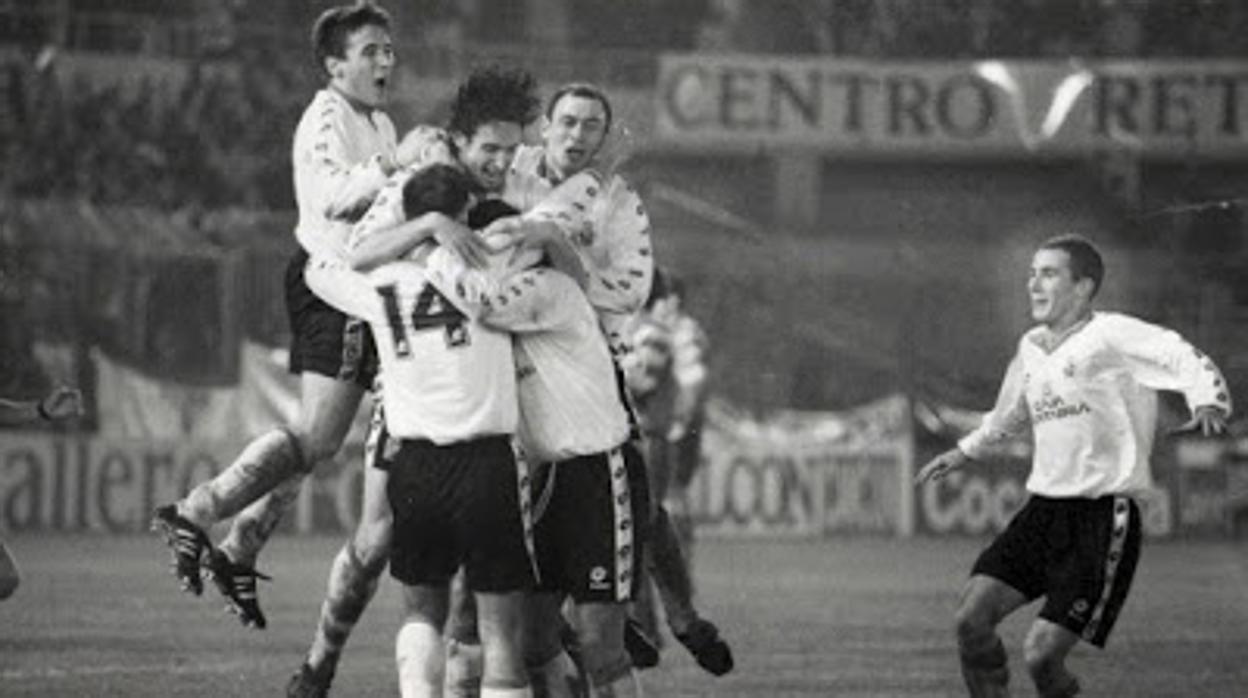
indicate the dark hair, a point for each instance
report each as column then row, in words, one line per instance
column 580, row 89
column 493, row 94
column 335, row 25
column 441, row 188
column 488, row 211
column 1085, row 259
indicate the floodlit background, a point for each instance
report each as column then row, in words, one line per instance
column 851, row 190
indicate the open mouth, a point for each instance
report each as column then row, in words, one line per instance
column 381, row 82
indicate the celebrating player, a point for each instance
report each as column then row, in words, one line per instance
column 488, row 116
column 344, row 149
column 457, row 493
column 1085, row 381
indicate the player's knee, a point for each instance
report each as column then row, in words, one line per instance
column 1044, row 662
column 973, row 625
column 371, row 545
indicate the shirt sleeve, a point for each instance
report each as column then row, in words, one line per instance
column 385, row 212
column 609, row 227
column 345, row 289
column 345, row 188
column 537, row 300
column 1009, row 416
column 1159, row 358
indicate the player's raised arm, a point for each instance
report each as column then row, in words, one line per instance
column 1162, row 359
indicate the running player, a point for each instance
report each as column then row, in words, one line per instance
column 1085, row 382
column 61, row 404
column 344, row 149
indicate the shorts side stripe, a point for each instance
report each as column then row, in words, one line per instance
column 624, row 525
column 352, row 348
column 524, row 482
column 1113, row 556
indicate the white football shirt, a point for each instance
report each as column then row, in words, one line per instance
column 336, row 155
column 446, row 377
column 607, row 224
column 1091, row 403
column 570, row 404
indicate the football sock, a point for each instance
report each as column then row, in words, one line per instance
column 351, row 586
column 264, row 463
column 253, row 527
column 494, row 692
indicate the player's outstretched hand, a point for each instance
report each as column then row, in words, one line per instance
column 62, row 403
column 463, row 242
column 1210, row 420
column 942, row 465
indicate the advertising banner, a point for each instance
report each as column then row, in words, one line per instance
column 804, row 474
column 1147, row 108
column 86, row 483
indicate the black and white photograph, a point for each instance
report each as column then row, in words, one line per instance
column 623, row 348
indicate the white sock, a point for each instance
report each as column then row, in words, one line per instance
column 525, row 692
column 418, row 654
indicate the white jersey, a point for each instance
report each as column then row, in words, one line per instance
column 337, row 155
column 607, row 225
column 446, row 377
column 607, row 222
column 1091, row 403
column 570, row 404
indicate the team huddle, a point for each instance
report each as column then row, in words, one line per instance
column 491, row 293
column 487, row 288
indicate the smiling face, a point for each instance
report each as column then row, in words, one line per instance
column 363, row 72
column 488, row 153
column 574, row 133
column 1057, row 299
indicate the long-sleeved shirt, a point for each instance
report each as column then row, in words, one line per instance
column 337, row 156
column 570, row 404
column 606, row 223
column 1091, row 403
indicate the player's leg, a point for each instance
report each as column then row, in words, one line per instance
column 355, row 572
column 10, row 578
column 328, row 408
column 500, row 622
column 1044, row 653
column 552, row 671
column 494, row 521
column 600, row 629
column 418, row 649
column 984, row 603
column 464, row 657
column 1090, row 570
column 326, row 412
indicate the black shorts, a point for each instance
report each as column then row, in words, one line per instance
column 460, row 504
column 324, row 340
column 592, row 522
column 1080, row 554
